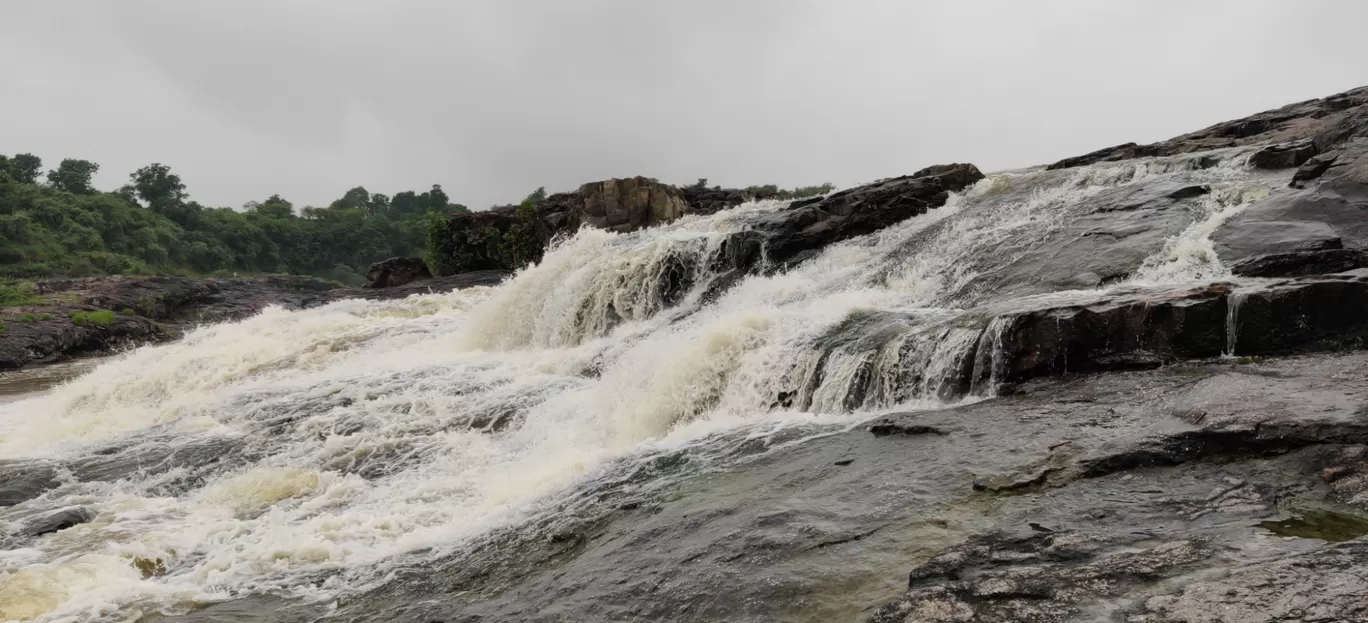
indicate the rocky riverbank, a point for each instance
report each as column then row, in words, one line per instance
column 72, row 317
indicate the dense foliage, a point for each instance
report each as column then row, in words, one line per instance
column 58, row 224
column 150, row 226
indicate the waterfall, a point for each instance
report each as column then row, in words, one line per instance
column 1232, row 326
column 314, row 452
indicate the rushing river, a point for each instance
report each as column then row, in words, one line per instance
column 314, row 454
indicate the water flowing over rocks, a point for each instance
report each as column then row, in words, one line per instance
column 1127, row 387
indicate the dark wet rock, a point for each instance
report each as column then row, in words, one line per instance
column 1102, row 239
column 972, row 351
column 1109, row 154
column 1325, row 211
column 1250, row 240
column 436, row 285
column 58, row 520
column 1284, row 155
column 884, row 428
column 1129, row 332
column 153, row 455
column 396, row 271
column 1313, row 168
column 1148, row 328
column 1301, row 263
column 60, row 332
column 1304, row 315
column 790, row 235
column 21, row 481
column 704, row 200
column 954, row 177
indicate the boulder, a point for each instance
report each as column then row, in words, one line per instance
column 704, row 200
column 1124, row 151
column 624, row 205
column 21, row 481
column 793, row 234
column 57, row 521
column 396, row 271
column 1284, row 155
column 1325, row 209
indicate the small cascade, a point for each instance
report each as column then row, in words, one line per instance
column 990, row 362
column 1234, row 300
column 1191, row 256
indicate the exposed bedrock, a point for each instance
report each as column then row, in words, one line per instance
column 878, row 358
column 1119, row 497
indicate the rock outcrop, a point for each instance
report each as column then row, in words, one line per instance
column 1317, row 222
column 396, row 271
column 44, row 336
column 1292, row 134
column 806, row 226
column 506, row 237
column 629, row 205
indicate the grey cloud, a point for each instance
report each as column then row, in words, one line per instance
column 492, row 98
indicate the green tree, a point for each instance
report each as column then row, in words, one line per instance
column 437, row 199
column 73, row 176
column 441, row 257
column 155, row 183
column 274, row 207
column 355, row 199
column 537, row 196
column 25, row 168
column 406, row 203
column 379, row 204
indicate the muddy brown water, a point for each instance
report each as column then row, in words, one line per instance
column 16, row 385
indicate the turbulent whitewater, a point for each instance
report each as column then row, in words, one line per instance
column 316, row 453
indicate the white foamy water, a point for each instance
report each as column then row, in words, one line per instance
column 356, row 434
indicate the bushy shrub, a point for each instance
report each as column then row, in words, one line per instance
column 17, row 293
column 102, row 318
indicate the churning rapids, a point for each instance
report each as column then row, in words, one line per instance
column 315, row 453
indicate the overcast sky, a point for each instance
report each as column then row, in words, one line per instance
column 492, row 98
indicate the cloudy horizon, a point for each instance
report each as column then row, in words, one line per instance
column 491, row 99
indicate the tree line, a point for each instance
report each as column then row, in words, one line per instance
column 58, row 224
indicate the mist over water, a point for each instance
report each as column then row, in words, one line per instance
column 311, row 453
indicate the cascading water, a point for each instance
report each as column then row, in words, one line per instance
column 313, row 452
